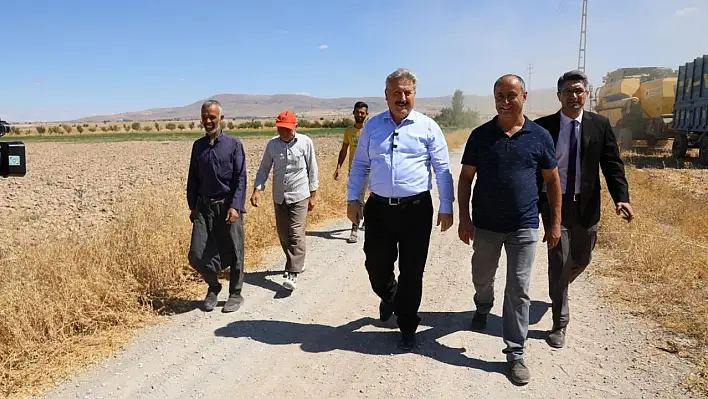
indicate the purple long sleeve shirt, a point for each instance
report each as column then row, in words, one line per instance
column 218, row 170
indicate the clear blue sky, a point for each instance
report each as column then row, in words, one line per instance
column 71, row 58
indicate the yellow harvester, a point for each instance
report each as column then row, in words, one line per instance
column 639, row 103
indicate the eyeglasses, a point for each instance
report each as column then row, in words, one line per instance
column 578, row 92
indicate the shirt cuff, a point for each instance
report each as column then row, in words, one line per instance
column 446, row 207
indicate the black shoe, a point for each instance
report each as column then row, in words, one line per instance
column 556, row 339
column 407, row 341
column 385, row 311
column 212, row 298
column 479, row 321
column 518, row 372
column 233, row 303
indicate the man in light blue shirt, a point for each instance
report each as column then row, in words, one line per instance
column 399, row 146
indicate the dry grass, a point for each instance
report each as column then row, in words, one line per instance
column 661, row 268
column 70, row 302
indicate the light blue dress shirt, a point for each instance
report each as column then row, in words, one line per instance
column 400, row 158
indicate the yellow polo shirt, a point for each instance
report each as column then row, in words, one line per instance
column 351, row 137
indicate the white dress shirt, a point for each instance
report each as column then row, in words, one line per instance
column 400, row 159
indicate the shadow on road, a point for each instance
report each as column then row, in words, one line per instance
column 318, row 338
column 260, row 279
column 328, row 235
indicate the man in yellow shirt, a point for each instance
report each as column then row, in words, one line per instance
column 351, row 138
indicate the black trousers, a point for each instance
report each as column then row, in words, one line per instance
column 398, row 231
column 216, row 245
column 568, row 259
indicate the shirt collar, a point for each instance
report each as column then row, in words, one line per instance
column 410, row 117
column 565, row 120
column 527, row 126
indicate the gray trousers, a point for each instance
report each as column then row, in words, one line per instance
column 290, row 221
column 216, row 245
column 568, row 259
column 520, row 249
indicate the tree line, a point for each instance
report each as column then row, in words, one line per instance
column 454, row 116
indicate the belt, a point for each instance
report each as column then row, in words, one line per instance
column 399, row 200
column 217, row 199
column 574, row 198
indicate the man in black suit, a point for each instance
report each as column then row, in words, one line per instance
column 584, row 140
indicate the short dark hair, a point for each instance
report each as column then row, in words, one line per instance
column 360, row 104
column 511, row 75
column 572, row 76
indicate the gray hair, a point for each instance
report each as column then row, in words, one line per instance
column 573, row 76
column 401, row 73
column 209, row 103
column 511, row 75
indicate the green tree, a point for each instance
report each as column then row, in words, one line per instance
column 80, row 129
column 67, row 128
column 136, row 126
column 92, row 129
column 180, row 126
column 222, row 124
column 157, row 126
column 230, row 125
column 41, row 129
column 104, row 129
column 191, row 125
column 271, row 124
column 170, row 126
column 147, row 128
column 458, row 107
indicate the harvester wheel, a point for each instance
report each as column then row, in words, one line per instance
column 703, row 152
column 680, row 146
column 625, row 139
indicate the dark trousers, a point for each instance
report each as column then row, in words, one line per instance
column 216, row 245
column 393, row 231
column 568, row 259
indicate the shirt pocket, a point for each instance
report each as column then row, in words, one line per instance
column 296, row 157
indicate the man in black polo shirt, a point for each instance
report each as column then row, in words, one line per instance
column 216, row 195
column 505, row 154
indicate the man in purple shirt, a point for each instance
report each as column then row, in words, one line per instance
column 216, row 195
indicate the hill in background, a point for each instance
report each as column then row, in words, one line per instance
column 256, row 106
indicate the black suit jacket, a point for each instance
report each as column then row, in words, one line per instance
column 598, row 151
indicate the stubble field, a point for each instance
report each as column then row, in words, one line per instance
column 94, row 244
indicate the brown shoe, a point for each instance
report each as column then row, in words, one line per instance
column 556, row 338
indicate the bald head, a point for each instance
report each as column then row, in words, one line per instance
column 511, row 79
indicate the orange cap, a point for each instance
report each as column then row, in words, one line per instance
column 286, row 119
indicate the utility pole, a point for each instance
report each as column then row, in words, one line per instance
column 583, row 37
column 530, row 71
column 582, row 52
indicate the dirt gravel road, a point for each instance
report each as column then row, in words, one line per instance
column 325, row 341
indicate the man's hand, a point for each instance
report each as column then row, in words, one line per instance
column 553, row 235
column 193, row 215
column 231, row 216
column 311, row 203
column 623, row 207
column 336, row 173
column 354, row 212
column 466, row 230
column 255, row 197
column 445, row 221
